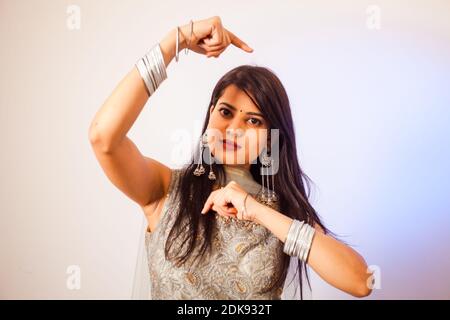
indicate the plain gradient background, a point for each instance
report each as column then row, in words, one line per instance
column 371, row 108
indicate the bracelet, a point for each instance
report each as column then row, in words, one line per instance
column 152, row 69
column 291, row 237
column 299, row 239
column 186, row 50
column 176, row 47
column 244, row 209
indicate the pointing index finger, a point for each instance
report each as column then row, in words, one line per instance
column 209, row 202
column 238, row 42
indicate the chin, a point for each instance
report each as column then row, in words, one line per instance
column 228, row 157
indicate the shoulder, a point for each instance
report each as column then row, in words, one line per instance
column 318, row 227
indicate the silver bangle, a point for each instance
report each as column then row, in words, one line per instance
column 299, row 239
column 298, row 225
column 149, row 74
column 289, row 243
column 295, row 227
column 300, row 242
column 244, row 208
column 152, row 69
column 188, row 43
column 309, row 237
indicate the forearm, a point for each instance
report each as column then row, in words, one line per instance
column 273, row 220
column 339, row 265
column 333, row 261
column 118, row 113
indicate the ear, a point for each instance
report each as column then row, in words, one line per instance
column 211, row 109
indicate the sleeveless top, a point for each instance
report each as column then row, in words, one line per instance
column 245, row 257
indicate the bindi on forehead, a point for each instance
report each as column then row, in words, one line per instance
column 240, row 110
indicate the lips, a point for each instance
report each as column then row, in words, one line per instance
column 231, row 144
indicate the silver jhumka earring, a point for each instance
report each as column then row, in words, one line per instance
column 200, row 169
column 268, row 195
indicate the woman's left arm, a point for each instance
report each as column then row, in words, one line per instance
column 335, row 262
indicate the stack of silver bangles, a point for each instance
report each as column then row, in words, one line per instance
column 152, row 69
column 299, row 239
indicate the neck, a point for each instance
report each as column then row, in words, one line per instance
column 234, row 171
column 238, row 166
column 242, row 175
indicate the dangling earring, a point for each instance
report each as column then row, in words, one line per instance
column 269, row 197
column 272, row 195
column 211, row 175
column 200, row 169
column 265, row 163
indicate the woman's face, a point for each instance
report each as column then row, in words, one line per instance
column 236, row 119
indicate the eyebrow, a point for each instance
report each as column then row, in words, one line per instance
column 234, row 108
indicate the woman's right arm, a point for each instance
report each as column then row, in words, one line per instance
column 142, row 179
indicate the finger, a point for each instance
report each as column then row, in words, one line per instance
column 208, row 48
column 227, row 38
column 239, row 43
column 221, row 33
column 221, row 199
column 215, row 54
column 209, row 202
column 218, row 52
column 232, row 210
column 215, row 48
column 216, row 36
column 221, row 46
column 213, row 39
column 210, row 42
column 201, row 50
column 222, row 37
column 221, row 211
column 216, row 40
column 222, row 202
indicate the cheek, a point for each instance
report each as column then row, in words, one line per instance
column 215, row 136
column 253, row 144
column 216, row 119
column 260, row 141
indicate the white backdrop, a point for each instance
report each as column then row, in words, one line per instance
column 368, row 83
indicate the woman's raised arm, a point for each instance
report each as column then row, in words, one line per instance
column 143, row 179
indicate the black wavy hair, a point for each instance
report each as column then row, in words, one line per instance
column 292, row 185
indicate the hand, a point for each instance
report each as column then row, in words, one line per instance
column 228, row 201
column 210, row 38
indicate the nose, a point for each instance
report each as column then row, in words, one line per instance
column 234, row 129
column 231, row 133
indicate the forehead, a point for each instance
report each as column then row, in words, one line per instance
column 238, row 98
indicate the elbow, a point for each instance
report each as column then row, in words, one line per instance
column 97, row 141
column 363, row 287
column 362, row 291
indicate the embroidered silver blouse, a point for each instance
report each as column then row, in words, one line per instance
column 245, row 258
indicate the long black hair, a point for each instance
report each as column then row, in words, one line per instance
column 292, row 185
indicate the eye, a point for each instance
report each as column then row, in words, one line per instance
column 227, row 112
column 257, row 123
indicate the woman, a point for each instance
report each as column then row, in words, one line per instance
column 226, row 231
